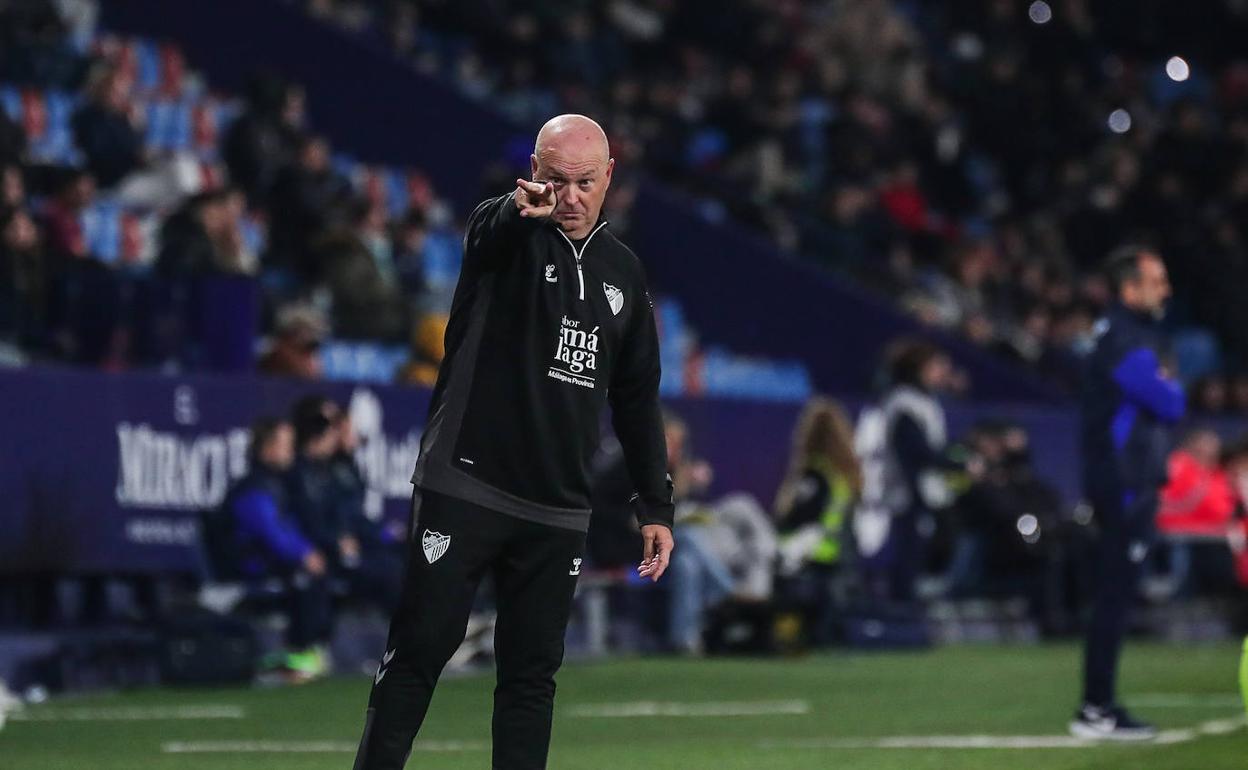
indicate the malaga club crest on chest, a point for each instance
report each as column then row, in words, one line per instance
column 615, row 298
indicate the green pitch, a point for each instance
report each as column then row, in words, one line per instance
column 826, row 711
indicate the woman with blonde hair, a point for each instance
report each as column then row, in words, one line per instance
column 813, row 505
column 824, row 476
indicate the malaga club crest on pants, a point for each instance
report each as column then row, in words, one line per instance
column 615, row 298
column 434, row 545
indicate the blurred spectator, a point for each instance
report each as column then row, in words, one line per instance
column 812, row 508
column 12, row 187
column 62, row 215
column 1198, row 497
column 819, row 489
column 260, row 538
column 410, row 239
column 12, row 140
column 314, row 497
column 1239, row 394
column 34, row 46
column 699, row 580
column 356, row 264
column 1209, row 395
column 382, row 544
column 25, row 277
column 194, row 239
column 295, row 349
column 104, row 127
column 428, row 350
column 915, row 458
column 1009, row 518
column 305, row 200
column 262, row 141
column 729, row 545
column 327, row 497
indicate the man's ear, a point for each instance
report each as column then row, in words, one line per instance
column 533, row 167
column 610, row 168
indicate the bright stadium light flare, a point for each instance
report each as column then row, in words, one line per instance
column 1177, row 69
column 1040, row 12
column 1029, row 527
column 1119, row 121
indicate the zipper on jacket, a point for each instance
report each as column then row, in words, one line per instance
column 580, row 275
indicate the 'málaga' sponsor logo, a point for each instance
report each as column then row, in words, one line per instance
column 167, row 470
column 576, row 353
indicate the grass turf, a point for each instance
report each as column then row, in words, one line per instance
column 951, row 691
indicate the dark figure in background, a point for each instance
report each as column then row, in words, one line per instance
column 25, row 278
column 314, row 492
column 188, row 237
column 259, row 538
column 327, row 495
column 61, row 216
column 1130, row 402
column 813, row 507
column 104, row 131
column 366, row 297
column 914, row 458
column 258, row 144
column 295, row 349
column 303, row 201
column 1009, row 521
column 378, row 577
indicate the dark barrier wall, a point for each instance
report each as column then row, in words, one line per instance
column 107, row 472
column 739, row 291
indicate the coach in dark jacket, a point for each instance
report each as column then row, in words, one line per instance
column 1130, row 402
column 551, row 321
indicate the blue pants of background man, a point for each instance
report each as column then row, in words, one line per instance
column 1126, row 530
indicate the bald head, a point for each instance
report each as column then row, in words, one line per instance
column 571, row 152
column 569, row 133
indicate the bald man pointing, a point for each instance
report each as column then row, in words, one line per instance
column 551, row 320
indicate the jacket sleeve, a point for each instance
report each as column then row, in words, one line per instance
column 809, row 500
column 257, row 516
column 636, row 415
column 914, row 453
column 1138, row 374
column 492, row 229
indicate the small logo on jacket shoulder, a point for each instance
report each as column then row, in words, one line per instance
column 434, row 544
column 550, row 274
column 576, row 568
column 615, row 298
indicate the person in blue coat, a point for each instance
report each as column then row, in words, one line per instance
column 1131, row 401
column 265, row 541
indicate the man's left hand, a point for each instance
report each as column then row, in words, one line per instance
column 658, row 544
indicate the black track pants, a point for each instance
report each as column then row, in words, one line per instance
column 454, row 544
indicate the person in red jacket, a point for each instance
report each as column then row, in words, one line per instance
column 1198, row 498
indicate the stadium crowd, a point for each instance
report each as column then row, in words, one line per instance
column 148, row 221
column 135, row 200
column 974, row 161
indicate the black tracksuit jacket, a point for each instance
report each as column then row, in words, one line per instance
column 543, row 332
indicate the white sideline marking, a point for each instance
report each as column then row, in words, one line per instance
column 707, row 709
column 1182, row 701
column 127, row 713
column 1212, row 727
column 302, row 747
